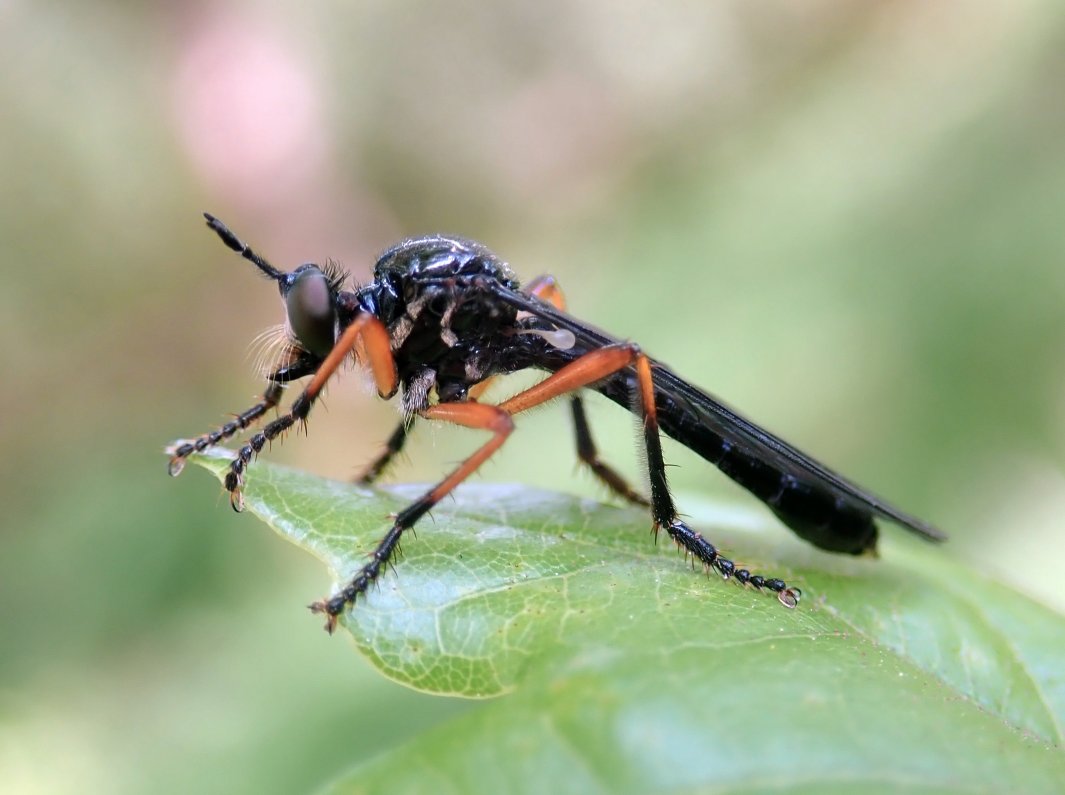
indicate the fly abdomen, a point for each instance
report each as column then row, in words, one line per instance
column 824, row 520
column 814, row 513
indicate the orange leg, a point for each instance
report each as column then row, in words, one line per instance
column 586, row 370
column 664, row 512
column 367, row 334
column 399, row 437
column 547, row 289
column 477, row 390
column 581, row 372
column 372, row 471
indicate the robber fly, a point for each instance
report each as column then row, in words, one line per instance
column 442, row 317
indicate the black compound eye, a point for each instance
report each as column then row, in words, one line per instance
column 311, row 308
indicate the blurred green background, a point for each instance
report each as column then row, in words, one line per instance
column 844, row 218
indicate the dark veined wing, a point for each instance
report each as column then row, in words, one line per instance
column 741, row 448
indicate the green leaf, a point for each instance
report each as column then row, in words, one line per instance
column 625, row 671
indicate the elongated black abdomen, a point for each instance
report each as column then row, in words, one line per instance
column 812, row 511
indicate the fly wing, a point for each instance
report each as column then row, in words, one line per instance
column 734, row 427
column 707, row 413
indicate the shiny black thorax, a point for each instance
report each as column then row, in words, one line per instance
column 437, row 297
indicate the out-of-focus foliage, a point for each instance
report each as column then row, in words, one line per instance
column 843, row 218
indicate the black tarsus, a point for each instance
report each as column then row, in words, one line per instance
column 393, row 447
column 303, row 366
column 271, row 397
column 664, row 514
column 589, row 456
column 368, row 574
column 234, row 479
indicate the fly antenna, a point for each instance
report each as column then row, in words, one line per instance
column 235, row 243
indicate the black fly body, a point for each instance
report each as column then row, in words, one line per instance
column 443, row 316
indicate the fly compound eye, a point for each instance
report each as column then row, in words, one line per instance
column 311, row 308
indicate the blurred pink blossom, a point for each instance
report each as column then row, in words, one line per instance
column 249, row 109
